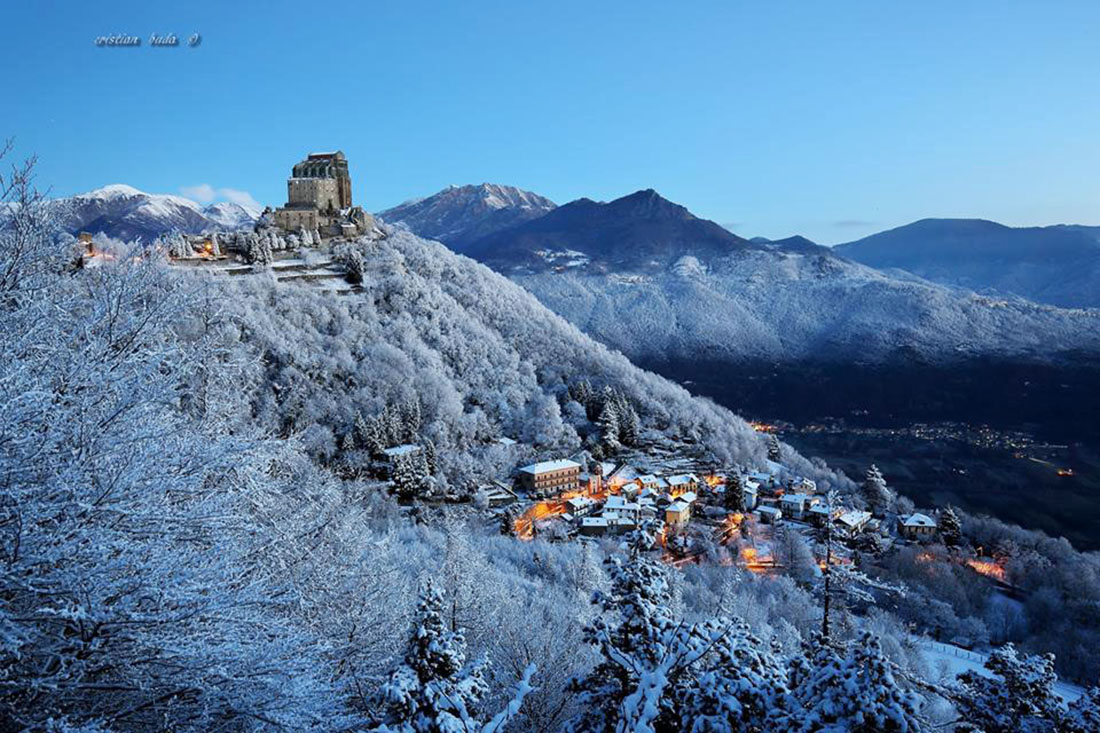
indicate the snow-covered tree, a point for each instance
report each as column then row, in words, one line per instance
column 434, row 690
column 1083, row 714
column 1019, row 698
column 609, row 427
column 375, row 439
column 429, row 457
column 775, row 451
column 657, row 672
column 179, row 246
column 857, row 692
column 410, row 419
column 741, row 686
column 950, row 528
column 409, row 476
column 360, row 430
column 875, row 492
column 734, row 497
column 138, row 508
column 508, row 517
column 259, row 250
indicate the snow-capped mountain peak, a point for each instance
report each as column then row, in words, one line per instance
column 129, row 214
column 111, row 191
column 229, row 215
column 458, row 215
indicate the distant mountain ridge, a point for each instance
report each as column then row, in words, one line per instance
column 459, row 215
column 645, row 276
column 128, row 214
column 1059, row 265
column 641, row 231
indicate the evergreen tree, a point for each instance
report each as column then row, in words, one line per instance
column 1083, row 715
column 508, row 519
column 950, row 527
column 180, row 247
column 658, row 673
column 775, row 451
column 429, row 457
column 581, row 392
column 629, row 424
column 741, row 686
column 361, row 430
column 434, row 690
column 410, row 420
column 259, row 250
column 855, row 693
column 354, row 267
column 392, row 427
column 347, row 443
column 609, row 427
column 410, row 476
column 875, row 492
column 734, row 498
column 376, row 440
column 872, row 543
column 1019, row 698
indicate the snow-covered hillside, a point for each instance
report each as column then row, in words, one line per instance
column 458, row 215
column 645, row 276
column 125, row 213
column 484, row 356
column 761, row 304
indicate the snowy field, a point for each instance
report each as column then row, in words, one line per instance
column 948, row 661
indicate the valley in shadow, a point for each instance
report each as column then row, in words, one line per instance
column 1017, row 440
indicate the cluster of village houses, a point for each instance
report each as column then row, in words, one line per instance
column 609, row 499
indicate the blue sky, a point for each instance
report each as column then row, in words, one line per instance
column 832, row 120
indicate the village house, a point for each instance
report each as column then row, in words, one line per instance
column 678, row 513
column 853, row 520
column 647, row 507
column 550, row 477
column 764, row 481
column 769, row 514
column 621, row 476
column 594, row 526
column 580, row 506
column 682, row 483
column 796, row 506
column 820, row 514
column 604, row 525
column 621, row 507
column 397, row 451
column 750, row 491
column 916, row 526
column 803, row 486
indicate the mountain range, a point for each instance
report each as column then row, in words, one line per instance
column 1059, row 265
column 125, row 213
column 645, row 276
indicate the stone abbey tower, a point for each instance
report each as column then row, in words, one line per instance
column 319, row 198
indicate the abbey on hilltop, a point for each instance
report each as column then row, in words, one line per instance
column 319, row 199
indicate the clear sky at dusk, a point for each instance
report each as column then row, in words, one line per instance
column 832, row 120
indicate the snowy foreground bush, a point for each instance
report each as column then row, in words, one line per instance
column 185, row 544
